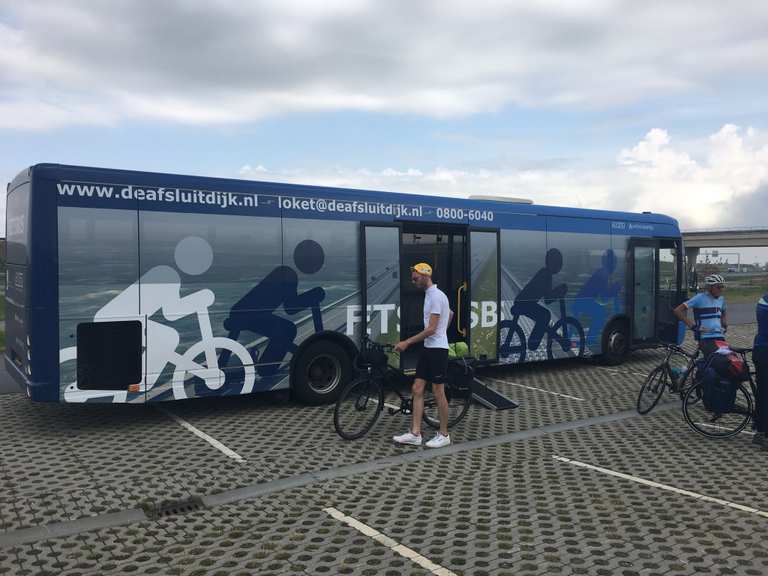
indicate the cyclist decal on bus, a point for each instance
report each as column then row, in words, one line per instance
column 597, row 294
column 255, row 312
column 158, row 290
column 564, row 337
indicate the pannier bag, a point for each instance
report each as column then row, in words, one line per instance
column 728, row 364
column 460, row 373
column 719, row 394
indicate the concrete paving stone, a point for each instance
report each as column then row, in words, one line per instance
column 542, row 511
column 9, row 561
column 9, row 518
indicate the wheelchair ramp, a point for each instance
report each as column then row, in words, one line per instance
column 490, row 398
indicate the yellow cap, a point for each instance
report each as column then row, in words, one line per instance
column 423, row 268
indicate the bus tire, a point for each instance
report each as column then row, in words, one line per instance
column 321, row 372
column 615, row 343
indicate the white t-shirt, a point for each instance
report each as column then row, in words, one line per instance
column 436, row 302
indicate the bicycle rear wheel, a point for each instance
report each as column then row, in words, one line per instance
column 652, row 389
column 459, row 400
column 358, row 408
column 714, row 425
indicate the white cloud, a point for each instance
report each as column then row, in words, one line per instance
column 719, row 181
column 704, row 193
column 654, row 174
column 225, row 62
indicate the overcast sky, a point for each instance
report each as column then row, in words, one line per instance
column 634, row 106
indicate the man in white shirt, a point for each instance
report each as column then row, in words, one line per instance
column 433, row 361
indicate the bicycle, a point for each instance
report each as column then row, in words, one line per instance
column 363, row 400
column 726, row 424
column 664, row 377
column 205, row 360
column 561, row 332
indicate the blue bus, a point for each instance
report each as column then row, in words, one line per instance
column 128, row 286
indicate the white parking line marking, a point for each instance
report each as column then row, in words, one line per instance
column 531, row 388
column 200, row 434
column 721, row 428
column 625, row 372
column 404, row 551
column 639, row 480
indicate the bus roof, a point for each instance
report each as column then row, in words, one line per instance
column 63, row 171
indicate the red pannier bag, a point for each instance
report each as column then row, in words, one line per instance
column 728, row 364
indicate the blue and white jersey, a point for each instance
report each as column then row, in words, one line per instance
column 761, row 338
column 707, row 314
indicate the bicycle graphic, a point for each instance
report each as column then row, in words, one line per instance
column 158, row 292
column 201, row 360
column 567, row 332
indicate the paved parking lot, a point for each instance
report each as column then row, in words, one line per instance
column 571, row 482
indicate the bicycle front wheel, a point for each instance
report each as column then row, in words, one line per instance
column 713, row 424
column 358, row 408
column 652, row 389
column 459, row 399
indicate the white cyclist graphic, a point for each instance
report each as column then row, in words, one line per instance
column 159, row 290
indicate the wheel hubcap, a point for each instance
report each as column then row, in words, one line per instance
column 324, row 373
column 617, row 343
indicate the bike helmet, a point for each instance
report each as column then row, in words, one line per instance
column 714, row 279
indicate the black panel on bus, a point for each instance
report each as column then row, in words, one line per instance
column 108, row 355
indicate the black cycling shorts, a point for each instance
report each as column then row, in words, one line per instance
column 433, row 364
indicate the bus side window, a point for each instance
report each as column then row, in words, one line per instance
column 108, row 355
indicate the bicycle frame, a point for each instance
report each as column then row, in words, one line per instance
column 672, row 350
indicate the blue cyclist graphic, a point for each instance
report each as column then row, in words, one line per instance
column 255, row 312
column 595, row 295
column 540, row 288
column 565, row 337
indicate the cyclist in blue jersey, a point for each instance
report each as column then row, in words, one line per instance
column 760, row 358
column 710, row 320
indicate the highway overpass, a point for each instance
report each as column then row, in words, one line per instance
column 695, row 240
column 733, row 238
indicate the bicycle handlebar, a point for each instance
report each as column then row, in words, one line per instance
column 367, row 344
column 677, row 349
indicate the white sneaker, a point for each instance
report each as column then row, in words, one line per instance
column 408, row 438
column 439, row 441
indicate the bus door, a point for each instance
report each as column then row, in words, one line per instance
column 444, row 247
column 380, row 282
column 655, row 274
column 483, row 294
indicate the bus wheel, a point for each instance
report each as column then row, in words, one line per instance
column 615, row 343
column 320, row 373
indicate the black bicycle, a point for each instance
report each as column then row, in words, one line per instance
column 666, row 377
column 713, row 423
column 380, row 386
